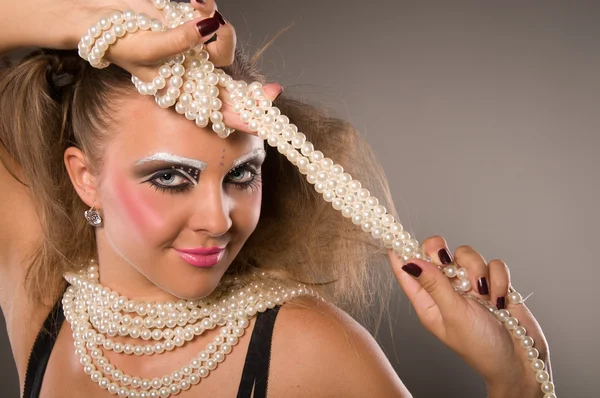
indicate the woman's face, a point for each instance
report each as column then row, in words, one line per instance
column 168, row 191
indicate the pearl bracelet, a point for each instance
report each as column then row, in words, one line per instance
column 94, row 44
column 191, row 83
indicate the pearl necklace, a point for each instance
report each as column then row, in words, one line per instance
column 196, row 76
column 230, row 307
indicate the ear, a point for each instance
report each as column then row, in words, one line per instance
column 82, row 178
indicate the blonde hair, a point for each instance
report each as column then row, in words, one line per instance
column 51, row 100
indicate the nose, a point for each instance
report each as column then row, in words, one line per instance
column 211, row 210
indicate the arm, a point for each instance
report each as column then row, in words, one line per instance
column 59, row 24
column 55, row 24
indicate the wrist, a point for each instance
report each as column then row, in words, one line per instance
column 59, row 26
column 79, row 19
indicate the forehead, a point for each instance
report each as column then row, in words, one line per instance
column 143, row 128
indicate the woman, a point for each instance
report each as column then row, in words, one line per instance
column 76, row 147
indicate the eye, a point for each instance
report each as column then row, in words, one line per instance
column 241, row 175
column 245, row 177
column 170, row 180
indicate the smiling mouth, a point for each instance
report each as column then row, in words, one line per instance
column 202, row 250
column 204, row 258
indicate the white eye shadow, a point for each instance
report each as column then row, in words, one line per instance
column 256, row 153
column 168, row 157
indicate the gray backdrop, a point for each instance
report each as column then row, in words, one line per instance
column 485, row 117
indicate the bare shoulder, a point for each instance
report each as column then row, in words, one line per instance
column 320, row 351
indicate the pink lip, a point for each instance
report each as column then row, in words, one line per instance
column 201, row 257
column 202, row 250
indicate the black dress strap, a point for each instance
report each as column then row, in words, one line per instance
column 256, row 368
column 40, row 354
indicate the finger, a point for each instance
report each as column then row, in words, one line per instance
column 206, row 8
column 475, row 264
column 410, row 285
column 272, row 90
column 222, row 50
column 437, row 249
column 161, row 45
column 434, row 283
column 499, row 282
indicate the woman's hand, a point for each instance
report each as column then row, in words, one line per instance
column 59, row 24
column 142, row 52
column 466, row 326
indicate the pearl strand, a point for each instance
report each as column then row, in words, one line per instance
column 329, row 179
column 355, row 202
column 236, row 303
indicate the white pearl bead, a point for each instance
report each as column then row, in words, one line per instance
column 515, row 298
column 377, row 233
column 461, row 273
column 104, row 383
column 464, row 285
column 537, row 365
column 113, row 388
column 527, row 342
column 548, row 387
column 502, row 315
column 542, row 376
column 387, row 220
column 532, row 354
column 95, row 31
column 450, row 271
column 156, row 26
column 104, row 23
column 131, row 26
column 519, row 332
column 511, row 323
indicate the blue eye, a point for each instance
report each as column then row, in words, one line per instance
column 241, row 176
column 245, row 177
column 170, row 180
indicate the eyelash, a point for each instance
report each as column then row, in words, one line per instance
column 255, row 181
column 251, row 185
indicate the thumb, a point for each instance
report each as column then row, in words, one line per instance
column 432, row 281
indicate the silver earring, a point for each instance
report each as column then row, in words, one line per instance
column 93, row 217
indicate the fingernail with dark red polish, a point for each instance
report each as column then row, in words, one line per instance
column 500, row 301
column 219, row 17
column 482, row 286
column 207, row 26
column 412, row 269
column 201, row 1
column 444, row 256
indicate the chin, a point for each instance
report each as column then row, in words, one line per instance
column 192, row 289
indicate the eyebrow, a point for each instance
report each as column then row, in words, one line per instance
column 168, row 157
column 257, row 153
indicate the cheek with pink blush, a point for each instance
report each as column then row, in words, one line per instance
column 143, row 212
